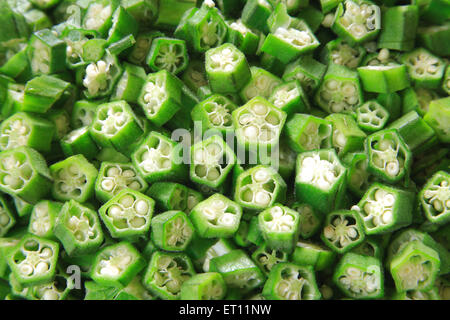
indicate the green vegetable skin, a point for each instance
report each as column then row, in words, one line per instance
column 229, row 149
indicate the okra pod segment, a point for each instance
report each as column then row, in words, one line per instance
column 340, row 52
column 435, row 38
column 170, row 12
column 216, row 216
column 79, row 141
column 262, row 83
column 266, row 258
column 7, row 216
column 255, row 14
column 384, row 79
column 290, row 98
column 204, row 286
column 435, row 198
column 169, row 196
column 130, row 84
column 144, row 12
column 308, row 71
column 288, row 281
column 358, row 179
column 310, row 219
column 438, row 117
column 172, row 231
column 168, row 54
column 78, row 229
column 310, row 254
column 123, row 24
column 371, row 116
column 243, row 37
column 347, row 136
column 43, row 219
column 98, row 15
column 47, row 53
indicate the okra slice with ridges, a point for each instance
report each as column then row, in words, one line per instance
column 216, row 216
column 43, row 218
column 347, row 136
column 114, row 177
column 343, row 230
column 307, row 71
column 288, row 281
column 384, row 79
column 169, row 196
column 130, row 83
column 388, row 155
column 78, row 229
column 244, row 38
column 446, row 81
column 26, row 129
column 74, row 178
column 211, row 162
column 98, row 16
column 157, row 159
column 435, row 198
column 123, row 24
column 359, row 277
column 144, row 12
column 168, row 54
column 371, row 116
column 24, row 174
column 79, row 141
column 172, row 231
column 385, row 209
column 340, row 52
column 340, row 90
column 7, row 217
column 310, row 220
column 195, row 75
column 47, row 53
column 357, row 21
column 58, row 289
column 438, row 117
column 215, row 113
column 259, row 188
column 311, row 254
column 290, row 97
column 117, row 265
column 320, row 180
column 33, row 260
column 83, row 113
column 262, row 83
column 204, row 286
column 358, row 179
column 227, row 69
column 372, row 247
column 128, row 214
column 238, row 270
column 266, row 258
column 166, row 273
column 255, row 14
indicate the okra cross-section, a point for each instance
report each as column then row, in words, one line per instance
column 357, row 21
column 117, row 265
column 98, row 16
column 33, row 260
column 262, row 83
column 47, row 53
column 258, row 125
column 78, row 228
column 290, row 97
column 315, row 255
column 340, row 52
column 211, row 162
column 259, row 188
column 279, row 226
column 169, row 196
column 157, row 159
column 371, row 116
column 266, row 258
column 343, row 230
column 288, row 281
column 340, row 90
column 74, row 178
column 160, row 97
column 114, row 177
column 172, row 231
column 43, row 218
column 359, row 277
column 166, row 273
column 216, row 216
column 115, row 125
column 127, row 214
column 7, row 220
column 388, row 155
column 168, row 54
column 438, row 117
column 227, row 69
column 320, row 179
column 435, row 198
column 308, row 71
column 204, row 286
column 310, row 219
column 347, row 136
column 424, row 68
column 384, row 78
column 24, row 174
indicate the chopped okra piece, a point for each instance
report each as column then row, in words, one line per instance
column 435, row 198
column 195, row 75
column 47, row 53
column 266, row 258
column 371, row 116
column 359, row 277
column 169, row 196
column 307, row 71
column 114, row 177
column 143, row 11
column 202, row 250
column 435, row 38
column 7, row 217
column 215, row 113
column 170, row 12
column 358, row 179
column 33, row 260
column 388, row 155
column 74, row 178
column 438, row 117
column 343, row 230
column 258, row 125
column 99, row 15
column 117, row 265
column 385, row 209
column 347, row 136
column 424, row 68
column 340, row 90
column 255, row 14
column 211, row 162
column 384, row 79
column 310, row 220
column 262, row 83
column 24, row 174
column 128, row 214
column 290, row 98
column 320, row 180
column 371, row 247
column 436, row 11
column 79, row 141
column 279, row 226
column 357, row 21
column 288, row 281
column 83, row 113
column 340, row 52
column 130, row 84
column 238, row 270
column 78, row 229
column 216, row 216
column 141, row 48
column 58, row 289
column 160, row 97
column 166, row 273
column 259, row 188
column 431, row 294
column 172, row 231
column 26, row 129
column 204, row 286
column 123, row 24
column 310, row 254
column 43, row 218
column 157, row 159
column 168, row 54
column 243, row 37
column 227, row 69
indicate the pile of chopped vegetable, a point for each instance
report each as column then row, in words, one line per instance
column 229, row 149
